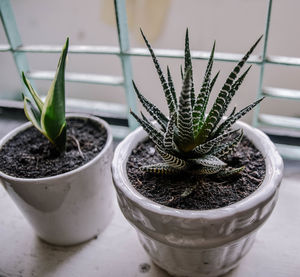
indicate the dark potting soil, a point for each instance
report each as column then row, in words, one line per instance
column 30, row 155
column 194, row 192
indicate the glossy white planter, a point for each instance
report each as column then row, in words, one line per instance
column 198, row 243
column 69, row 208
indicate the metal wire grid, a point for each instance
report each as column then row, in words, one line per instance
column 125, row 52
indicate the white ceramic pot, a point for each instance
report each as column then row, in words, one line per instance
column 198, row 243
column 69, row 208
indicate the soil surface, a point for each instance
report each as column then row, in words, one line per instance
column 30, row 155
column 194, row 192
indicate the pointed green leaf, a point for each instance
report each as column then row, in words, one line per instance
column 206, row 147
column 241, row 63
column 237, row 68
column 169, row 134
column 198, row 114
column 233, row 90
column 209, row 64
column 224, row 98
column 152, row 109
column 212, row 83
column 36, row 98
column 53, row 114
column 171, row 159
column 155, row 135
column 167, row 92
column 220, row 106
column 181, row 72
column 32, row 114
column 188, row 64
column 201, row 112
column 232, row 112
column 185, row 119
column 202, row 98
column 234, row 117
column 237, row 84
column 171, row 86
column 228, row 147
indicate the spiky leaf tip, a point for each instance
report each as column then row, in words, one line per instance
column 229, row 172
column 49, row 117
column 151, row 109
column 227, row 92
column 166, row 89
column 155, row 135
column 188, row 64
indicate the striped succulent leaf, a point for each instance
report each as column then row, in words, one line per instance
column 181, row 72
column 188, row 64
column 152, row 109
column 169, row 143
column 227, row 148
column 225, row 95
column 207, row 146
column 198, row 115
column 232, row 112
column 160, row 168
column 166, row 89
column 224, row 103
column 185, row 118
column 155, row 135
column 203, row 96
column 212, row 83
column 203, row 109
column 232, row 118
column 189, row 140
column 171, row 159
column 171, row 86
column 235, row 86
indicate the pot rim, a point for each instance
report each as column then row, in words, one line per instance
column 267, row 189
column 27, row 125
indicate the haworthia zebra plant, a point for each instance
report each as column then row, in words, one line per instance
column 190, row 139
column 49, row 117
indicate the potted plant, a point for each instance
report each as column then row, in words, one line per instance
column 195, row 188
column 57, row 168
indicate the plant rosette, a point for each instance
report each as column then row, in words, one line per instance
column 71, row 207
column 198, row 242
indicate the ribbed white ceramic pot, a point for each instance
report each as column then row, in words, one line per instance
column 69, row 208
column 198, row 243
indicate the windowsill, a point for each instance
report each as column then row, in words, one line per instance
column 116, row 252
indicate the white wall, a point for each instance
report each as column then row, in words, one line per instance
column 234, row 24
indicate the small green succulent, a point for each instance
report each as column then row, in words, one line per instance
column 191, row 140
column 49, row 117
